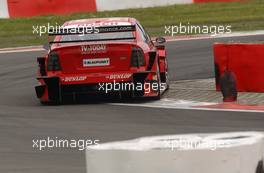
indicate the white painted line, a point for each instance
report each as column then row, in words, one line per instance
column 18, row 51
column 203, row 37
column 22, row 49
column 183, row 105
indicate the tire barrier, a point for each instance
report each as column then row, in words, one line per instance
column 245, row 61
column 241, row 152
column 26, row 8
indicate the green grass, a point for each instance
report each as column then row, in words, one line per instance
column 241, row 16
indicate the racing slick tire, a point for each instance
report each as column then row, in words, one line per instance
column 167, row 80
column 158, row 97
column 50, row 103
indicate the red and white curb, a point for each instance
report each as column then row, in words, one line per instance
column 208, row 153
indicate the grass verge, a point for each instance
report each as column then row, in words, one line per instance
column 243, row 16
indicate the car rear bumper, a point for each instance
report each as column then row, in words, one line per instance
column 54, row 88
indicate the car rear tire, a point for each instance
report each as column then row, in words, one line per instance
column 50, row 103
column 158, row 97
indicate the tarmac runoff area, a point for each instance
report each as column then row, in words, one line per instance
column 201, row 94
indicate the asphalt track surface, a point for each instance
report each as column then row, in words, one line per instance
column 23, row 119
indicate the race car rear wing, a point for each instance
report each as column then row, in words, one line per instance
column 91, row 30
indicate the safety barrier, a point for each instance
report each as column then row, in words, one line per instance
column 241, row 152
column 106, row 5
column 245, row 61
column 26, row 8
column 4, row 9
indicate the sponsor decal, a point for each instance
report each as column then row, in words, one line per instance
column 119, row 76
column 96, row 62
column 110, row 23
column 74, row 78
column 89, row 49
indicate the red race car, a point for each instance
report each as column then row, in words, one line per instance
column 102, row 56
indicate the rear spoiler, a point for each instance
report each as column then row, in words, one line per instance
column 91, row 30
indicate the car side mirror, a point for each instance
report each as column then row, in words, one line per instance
column 160, row 40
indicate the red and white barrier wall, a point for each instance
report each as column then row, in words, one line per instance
column 26, row 8
column 103, row 5
column 4, row 9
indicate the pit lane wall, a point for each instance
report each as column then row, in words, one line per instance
column 241, row 152
column 27, row 8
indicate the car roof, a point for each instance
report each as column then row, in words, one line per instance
column 103, row 21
